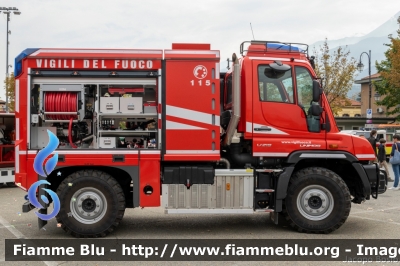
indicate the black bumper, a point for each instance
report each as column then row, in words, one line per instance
column 377, row 179
column 373, row 181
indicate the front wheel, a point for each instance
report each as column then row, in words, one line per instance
column 318, row 201
column 92, row 204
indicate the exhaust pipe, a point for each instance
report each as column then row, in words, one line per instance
column 235, row 102
column 226, row 162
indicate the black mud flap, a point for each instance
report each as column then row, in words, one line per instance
column 27, row 207
column 42, row 223
column 274, row 217
column 42, row 192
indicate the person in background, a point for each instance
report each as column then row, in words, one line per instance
column 382, row 158
column 372, row 140
column 396, row 167
column 2, row 128
column 3, row 135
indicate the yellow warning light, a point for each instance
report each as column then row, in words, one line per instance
column 228, row 186
column 333, row 146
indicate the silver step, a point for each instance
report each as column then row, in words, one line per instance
column 269, row 170
column 264, row 210
column 265, row 190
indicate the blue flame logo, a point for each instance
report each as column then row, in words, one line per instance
column 45, row 171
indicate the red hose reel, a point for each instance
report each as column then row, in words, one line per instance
column 62, row 102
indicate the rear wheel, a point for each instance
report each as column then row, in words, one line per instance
column 92, row 204
column 318, row 201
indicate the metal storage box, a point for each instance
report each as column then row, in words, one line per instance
column 7, row 175
column 232, row 191
column 40, row 137
column 107, row 143
column 109, row 105
column 150, row 108
column 131, row 105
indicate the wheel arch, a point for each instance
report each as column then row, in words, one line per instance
column 123, row 175
column 344, row 164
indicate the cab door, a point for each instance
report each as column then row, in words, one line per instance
column 282, row 119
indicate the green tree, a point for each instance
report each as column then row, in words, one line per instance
column 9, row 86
column 337, row 71
column 389, row 70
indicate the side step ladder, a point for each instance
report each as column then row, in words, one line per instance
column 263, row 179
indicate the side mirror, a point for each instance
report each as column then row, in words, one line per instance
column 316, row 110
column 317, row 91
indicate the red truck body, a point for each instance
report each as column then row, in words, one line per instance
column 281, row 129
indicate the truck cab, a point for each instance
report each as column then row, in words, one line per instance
column 285, row 118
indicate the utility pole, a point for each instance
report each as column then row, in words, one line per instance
column 7, row 10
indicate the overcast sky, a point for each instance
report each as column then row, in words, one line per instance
column 157, row 24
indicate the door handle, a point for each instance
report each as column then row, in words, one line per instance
column 262, row 129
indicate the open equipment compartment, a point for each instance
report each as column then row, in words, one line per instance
column 7, row 152
column 93, row 113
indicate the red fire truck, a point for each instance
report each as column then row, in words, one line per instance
column 164, row 128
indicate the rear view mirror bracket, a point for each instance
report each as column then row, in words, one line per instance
column 316, row 110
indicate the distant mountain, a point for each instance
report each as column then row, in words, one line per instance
column 389, row 27
column 373, row 41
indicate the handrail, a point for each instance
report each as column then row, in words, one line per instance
column 291, row 45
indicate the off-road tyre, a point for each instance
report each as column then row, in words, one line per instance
column 99, row 187
column 330, row 185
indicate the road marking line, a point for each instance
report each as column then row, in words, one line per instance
column 20, row 235
column 376, row 220
column 12, row 230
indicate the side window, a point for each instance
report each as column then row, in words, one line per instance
column 228, row 98
column 304, row 83
column 275, row 87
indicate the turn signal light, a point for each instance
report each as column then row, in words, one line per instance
column 333, row 146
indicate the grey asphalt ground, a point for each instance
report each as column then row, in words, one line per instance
column 374, row 219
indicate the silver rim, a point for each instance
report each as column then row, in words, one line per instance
column 88, row 205
column 315, row 202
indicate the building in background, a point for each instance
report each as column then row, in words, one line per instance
column 351, row 108
column 349, row 119
column 377, row 111
column 2, row 106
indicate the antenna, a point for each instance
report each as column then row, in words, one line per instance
column 252, row 31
